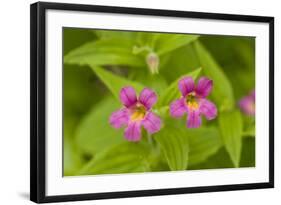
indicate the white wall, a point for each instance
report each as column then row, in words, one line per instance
column 14, row 100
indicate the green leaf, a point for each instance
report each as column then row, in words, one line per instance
column 163, row 43
column 250, row 132
column 222, row 160
column 172, row 92
column 126, row 157
column 236, row 55
column 105, row 52
column 248, row 153
column 73, row 38
column 217, row 161
column 203, row 142
column 78, row 86
column 156, row 82
column 249, row 126
column 231, row 128
column 222, row 90
column 70, row 122
column 174, row 146
column 146, row 40
column 179, row 62
column 168, row 42
column 72, row 160
column 94, row 133
column 115, row 82
column 110, row 34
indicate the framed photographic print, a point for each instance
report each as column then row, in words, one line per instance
column 129, row 102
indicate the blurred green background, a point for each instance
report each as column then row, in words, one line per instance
column 98, row 63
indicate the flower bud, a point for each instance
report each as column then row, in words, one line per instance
column 152, row 61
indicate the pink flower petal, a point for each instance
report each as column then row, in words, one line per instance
column 204, row 87
column 148, row 98
column 208, row 109
column 128, row 96
column 186, row 85
column 119, row 118
column 133, row 131
column 152, row 123
column 178, row 108
column 193, row 119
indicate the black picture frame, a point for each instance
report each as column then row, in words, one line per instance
column 38, row 101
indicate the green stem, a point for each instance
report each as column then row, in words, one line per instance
column 137, row 50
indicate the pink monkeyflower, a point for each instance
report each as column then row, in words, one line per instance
column 193, row 101
column 136, row 113
column 247, row 104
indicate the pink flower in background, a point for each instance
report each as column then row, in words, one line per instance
column 193, row 101
column 136, row 113
column 247, row 104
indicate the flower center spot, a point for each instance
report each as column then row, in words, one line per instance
column 138, row 112
column 191, row 101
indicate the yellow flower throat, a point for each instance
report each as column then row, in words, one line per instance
column 138, row 112
column 191, row 101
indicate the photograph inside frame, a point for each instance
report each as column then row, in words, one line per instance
column 137, row 101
